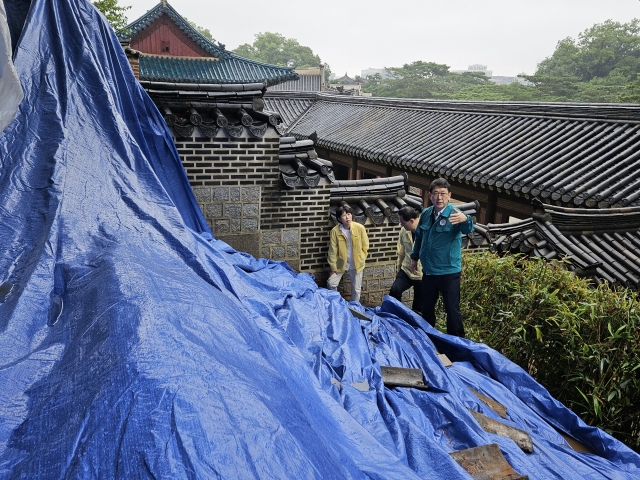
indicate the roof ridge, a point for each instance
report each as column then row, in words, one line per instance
column 165, row 8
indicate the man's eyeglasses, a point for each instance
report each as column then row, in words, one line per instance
column 439, row 194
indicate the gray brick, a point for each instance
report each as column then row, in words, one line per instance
column 368, row 272
column 213, row 210
column 251, row 209
column 202, row 194
column 250, row 194
column 249, row 224
column 265, row 252
column 221, row 226
column 270, row 237
column 232, row 209
column 292, row 251
column 234, row 193
column 386, row 283
column 375, row 298
column 221, row 193
column 389, row 270
column 290, row 236
column 373, row 285
column 378, row 271
column 236, row 225
column 277, row 252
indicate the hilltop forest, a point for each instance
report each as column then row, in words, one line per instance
column 601, row 66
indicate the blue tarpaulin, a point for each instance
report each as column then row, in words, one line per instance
column 134, row 345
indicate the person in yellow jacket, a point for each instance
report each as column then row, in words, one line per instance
column 405, row 278
column 348, row 249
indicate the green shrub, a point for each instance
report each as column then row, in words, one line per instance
column 578, row 340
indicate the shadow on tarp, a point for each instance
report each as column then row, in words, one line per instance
column 134, row 345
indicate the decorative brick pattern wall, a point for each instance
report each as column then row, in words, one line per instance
column 236, row 183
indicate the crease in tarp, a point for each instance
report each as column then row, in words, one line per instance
column 173, row 355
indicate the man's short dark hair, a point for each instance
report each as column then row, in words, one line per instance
column 439, row 183
column 341, row 209
column 407, row 213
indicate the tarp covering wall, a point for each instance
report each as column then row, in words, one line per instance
column 134, row 345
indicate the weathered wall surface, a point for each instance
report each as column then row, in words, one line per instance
column 236, row 183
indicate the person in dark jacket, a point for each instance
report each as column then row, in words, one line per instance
column 405, row 278
column 438, row 246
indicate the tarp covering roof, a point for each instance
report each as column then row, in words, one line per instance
column 134, row 345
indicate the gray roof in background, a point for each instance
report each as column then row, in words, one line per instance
column 578, row 154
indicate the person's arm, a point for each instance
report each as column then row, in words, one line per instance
column 415, row 253
column 332, row 256
column 464, row 222
column 365, row 242
column 400, row 249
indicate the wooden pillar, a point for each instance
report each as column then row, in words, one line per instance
column 492, row 205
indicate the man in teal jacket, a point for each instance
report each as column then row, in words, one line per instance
column 438, row 246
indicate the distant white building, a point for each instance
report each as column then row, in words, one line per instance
column 476, row 68
column 497, row 79
column 384, row 73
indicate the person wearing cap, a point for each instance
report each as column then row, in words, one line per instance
column 438, row 246
column 348, row 250
column 405, row 278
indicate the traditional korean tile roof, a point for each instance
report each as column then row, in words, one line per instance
column 576, row 154
column 376, row 199
column 603, row 244
column 211, row 107
column 163, row 8
column 232, row 69
column 300, row 165
column 290, row 107
column 222, row 67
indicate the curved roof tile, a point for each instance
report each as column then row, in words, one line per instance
column 578, row 154
column 233, row 69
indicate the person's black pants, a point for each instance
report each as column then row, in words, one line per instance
column 449, row 287
column 402, row 283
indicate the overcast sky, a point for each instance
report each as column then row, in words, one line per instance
column 509, row 36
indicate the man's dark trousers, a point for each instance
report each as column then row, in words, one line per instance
column 449, row 286
column 402, row 283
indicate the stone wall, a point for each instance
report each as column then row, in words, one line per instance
column 236, row 183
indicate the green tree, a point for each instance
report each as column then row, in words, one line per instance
column 113, row 12
column 602, row 50
column 275, row 49
column 202, row 31
column 422, row 80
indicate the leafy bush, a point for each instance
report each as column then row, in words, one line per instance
column 578, row 340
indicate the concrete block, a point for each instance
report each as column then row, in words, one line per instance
column 290, row 236
column 221, row 193
column 270, row 237
column 221, row 226
column 213, row 210
column 202, row 194
column 249, row 224
column 250, row 194
column 232, row 209
column 251, row 209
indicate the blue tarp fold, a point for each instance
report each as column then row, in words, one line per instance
column 134, row 345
